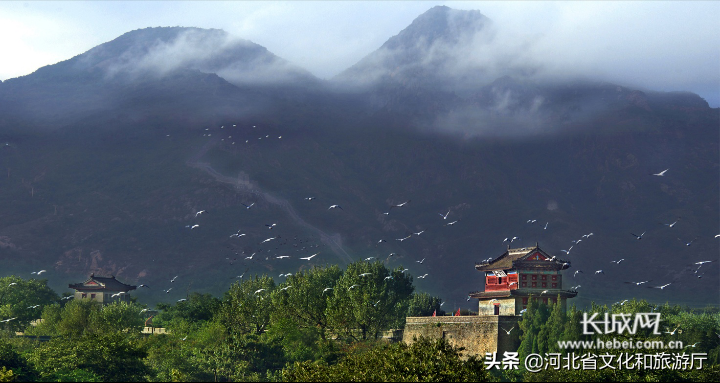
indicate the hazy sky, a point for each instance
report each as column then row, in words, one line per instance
column 661, row 45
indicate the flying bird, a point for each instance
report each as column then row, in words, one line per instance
column 198, row 213
column 268, row 240
column 419, row 232
column 282, row 256
column 689, row 243
column 402, row 239
column 575, row 287
column 673, row 331
column 368, row 258
column 546, row 223
column 173, row 280
column 661, row 174
column 450, row 223
column 637, row 283
column 259, row 291
column 285, row 288
column 587, row 235
column 660, row 287
column 327, row 289
column 247, row 206
column 444, row 215
column 310, row 257
column 531, row 221
column 671, row 224
column 599, row 272
column 182, row 300
column 168, row 290
column 353, row 286
column 271, row 225
column 421, row 261
column 194, row 226
column 365, row 274
column 638, row 236
column 508, row 331
column 576, row 273
column 423, row 276
column 39, row 272
column 310, row 198
column 618, row 261
column 335, row 207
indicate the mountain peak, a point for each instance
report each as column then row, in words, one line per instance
column 422, row 49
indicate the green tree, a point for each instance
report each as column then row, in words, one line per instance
column 111, row 357
column 422, row 304
column 197, row 309
column 369, row 298
column 246, row 307
column 87, row 317
column 423, row 361
column 23, row 300
column 303, row 298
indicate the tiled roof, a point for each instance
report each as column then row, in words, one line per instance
column 506, row 260
column 105, row 283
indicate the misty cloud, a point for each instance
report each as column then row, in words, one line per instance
column 161, row 51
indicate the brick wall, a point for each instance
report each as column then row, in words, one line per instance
column 477, row 334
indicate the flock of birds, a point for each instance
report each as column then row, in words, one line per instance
column 276, row 247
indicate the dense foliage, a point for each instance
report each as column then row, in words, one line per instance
column 320, row 324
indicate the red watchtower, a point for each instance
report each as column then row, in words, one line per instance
column 517, row 274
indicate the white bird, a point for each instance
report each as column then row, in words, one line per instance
column 422, row 276
column 194, row 226
column 381, row 241
column 618, row 261
column 247, row 206
column 702, row 262
column 693, row 345
column 637, row 283
column 513, row 239
column 639, row 236
column 327, row 289
column 575, row 287
column 546, row 223
column 662, row 173
column 660, row 287
column 173, row 280
column 251, row 256
column 259, row 291
column 12, row 284
column 8, row 320
column 567, row 251
column 623, row 302
column 310, row 198
column 672, row 224
column 402, row 239
column 39, row 272
column 531, row 221
column 421, row 261
column 369, row 258
column 168, row 290
column 144, row 310
column 506, row 239
column 450, row 223
column 33, row 307
column 198, row 213
column 68, row 297
column 353, row 286
column 335, row 207
column 144, row 285
column 268, row 240
column 182, row 300
column 689, row 243
column 388, row 277
column 442, row 303
column 282, row 256
column 599, row 272
column 468, row 299
column 419, row 232
column 365, row 274
column 544, row 292
column 508, row 331
column 444, row 215
column 576, row 273
column 271, row 225
column 117, row 294
column 673, row 331
column 238, row 234
column 310, row 257
column 576, row 242
column 285, row 288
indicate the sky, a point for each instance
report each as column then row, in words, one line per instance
column 664, row 45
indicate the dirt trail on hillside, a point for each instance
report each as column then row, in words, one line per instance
column 334, row 242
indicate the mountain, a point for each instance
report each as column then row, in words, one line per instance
column 109, row 158
column 182, row 63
